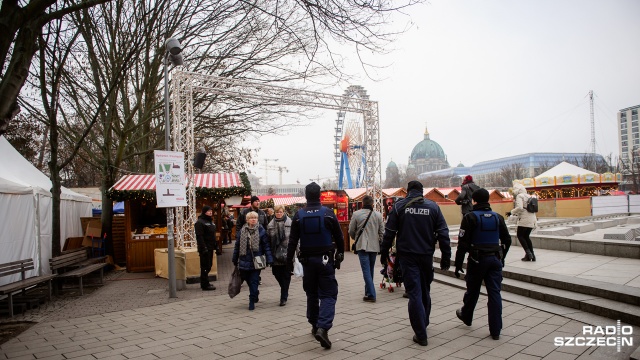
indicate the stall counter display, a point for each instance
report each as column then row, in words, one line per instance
column 192, row 265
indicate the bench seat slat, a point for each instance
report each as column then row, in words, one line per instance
column 21, row 284
column 82, row 271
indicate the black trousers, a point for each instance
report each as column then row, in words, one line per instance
column 524, row 239
column 206, row 262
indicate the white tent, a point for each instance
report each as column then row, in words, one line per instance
column 564, row 168
column 25, row 212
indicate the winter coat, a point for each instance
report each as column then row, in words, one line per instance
column 464, row 199
column 274, row 241
column 205, row 233
column 372, row 235
column 525, row 218
column 245, row 262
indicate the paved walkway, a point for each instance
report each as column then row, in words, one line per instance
column 131, row 317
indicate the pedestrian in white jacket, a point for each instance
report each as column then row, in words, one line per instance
column 527, row 221
column 368, row 244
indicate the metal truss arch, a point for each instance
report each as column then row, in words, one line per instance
column 186, row 84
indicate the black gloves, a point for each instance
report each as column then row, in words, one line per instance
column 458, row 271
column 445, row 264
column 270, row 264
column 337, row 260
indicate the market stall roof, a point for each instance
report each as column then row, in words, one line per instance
column 564, row 168
column 221, row 185
column 148, row 181
column 291, row 200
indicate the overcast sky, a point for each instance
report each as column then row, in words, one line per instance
column 491, row 78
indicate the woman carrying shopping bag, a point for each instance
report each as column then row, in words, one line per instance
column 251, row 254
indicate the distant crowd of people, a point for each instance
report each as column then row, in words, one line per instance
column 407, row 239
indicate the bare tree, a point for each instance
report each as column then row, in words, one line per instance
column 21, row 26
column 276, row 42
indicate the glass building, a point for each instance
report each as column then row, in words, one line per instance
column 530, row 164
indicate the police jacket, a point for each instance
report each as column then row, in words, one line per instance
column 464, row 199
column 472, row 236
column 416, row 227
column 205, row 233
column 242, row 219
column 245, row 262
column 328, row 226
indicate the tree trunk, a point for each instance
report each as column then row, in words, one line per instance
column 55, row 191
column 107, row 211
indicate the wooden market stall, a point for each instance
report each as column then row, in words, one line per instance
column 146, row 225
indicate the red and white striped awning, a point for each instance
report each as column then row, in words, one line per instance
column 289, row 200
column 148, row 181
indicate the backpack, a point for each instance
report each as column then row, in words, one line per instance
column 532, row 204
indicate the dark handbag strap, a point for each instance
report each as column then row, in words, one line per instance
column 362, row 229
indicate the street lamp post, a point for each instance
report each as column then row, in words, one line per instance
column 172, row 55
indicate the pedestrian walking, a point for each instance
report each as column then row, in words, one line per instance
column 526, row 221
column 417, row 224
column 252, row 241
column 318, row 232
column 464, row 199
column 367, row 228
column 279, row 231
column 485, row 237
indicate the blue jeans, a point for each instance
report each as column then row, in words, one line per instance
column 252, row 277
column 367, row 263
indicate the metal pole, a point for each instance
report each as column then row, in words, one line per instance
column 167, row 131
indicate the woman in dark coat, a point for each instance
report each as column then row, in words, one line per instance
column 279, row 230
column 253, row 241
column 206, row 239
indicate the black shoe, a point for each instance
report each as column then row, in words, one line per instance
column 283, row 302
column 459, row 315
column 322, row 336
column 257, row 300
column 420, row 342
column 533, row 257
column 209, row 288
column 369, row 299
column 495, row 337
column 314, row 330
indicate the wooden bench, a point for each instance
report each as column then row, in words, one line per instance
column 77, row 264
column 21, row 266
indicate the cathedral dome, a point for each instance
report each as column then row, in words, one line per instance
column 392, row 165
column 427, row 149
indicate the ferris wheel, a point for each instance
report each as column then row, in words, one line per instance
column 350, row 143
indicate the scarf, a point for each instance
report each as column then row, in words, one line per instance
column 279, row 225
column 249, row 235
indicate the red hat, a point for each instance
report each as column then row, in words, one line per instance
column 467, row 179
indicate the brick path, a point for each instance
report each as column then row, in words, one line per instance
column 131, row 317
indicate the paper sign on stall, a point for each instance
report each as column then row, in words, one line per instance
column 170, row 181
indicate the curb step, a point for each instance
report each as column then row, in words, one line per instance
column 591, row 303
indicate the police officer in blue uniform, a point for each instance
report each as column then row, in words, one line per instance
column 314, row 226
column 417, row 223
column 481, row 232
